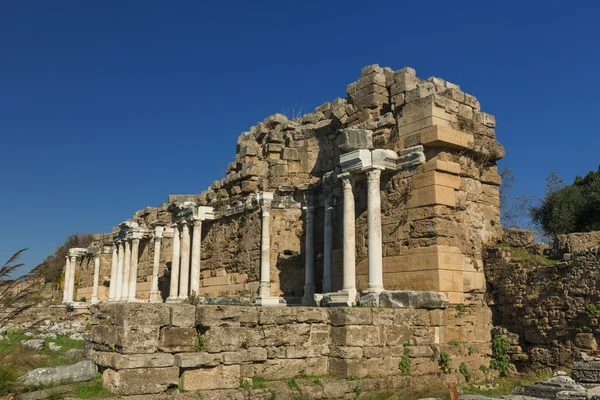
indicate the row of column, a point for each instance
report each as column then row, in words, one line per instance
column 123, row 271
column 375, row 252
column 70, row 266
column 185, row 264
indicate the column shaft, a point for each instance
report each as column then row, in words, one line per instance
column 126, row 270
column 328, row 243
column 66, row 280
column 94, row 299
column 135, row 246
column 309, row 281
column 156, row 265
column 73, row 266
column 196, row 250
column 120, row 268
column 184, row 272
column 374, row 231
column 113, row 273
column 265, row 254
column 175, row 264
column 349, row 259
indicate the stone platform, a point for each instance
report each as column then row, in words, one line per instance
column 147, row 348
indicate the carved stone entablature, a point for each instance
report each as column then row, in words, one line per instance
column 189, row 212
column 78, row 252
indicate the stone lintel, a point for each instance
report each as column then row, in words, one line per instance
column 357, row 160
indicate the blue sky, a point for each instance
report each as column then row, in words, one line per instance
column 107, row 107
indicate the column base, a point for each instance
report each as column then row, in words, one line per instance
column 174, row 300
column 309, row 296
column 94, row 300
column 343, row 298
column 267, row 301
column 375, row 289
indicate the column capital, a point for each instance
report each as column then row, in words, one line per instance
column 264, row 200
column 347, row 180
column 374, row 175
column 159, row 231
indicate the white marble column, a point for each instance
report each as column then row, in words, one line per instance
column 126, row 269
column 349, row 258
column 309, row 262
column 328, row 241
column 184, row 271
column 113, row 273
column 175, row 264
column 158, row 234
column 66, row 280
column 72, row 268
column 374, row 231
column 120, row 267
column 135, row 250
column 196, row 250
column 264, row 296
column 94, row 299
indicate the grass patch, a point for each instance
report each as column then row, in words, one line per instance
column 258, row 382
column 92, row 390
column 520, row 254
column 505, row 386
column 16, row 360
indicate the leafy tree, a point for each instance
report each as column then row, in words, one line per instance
column 569, row 208
column 53, row 266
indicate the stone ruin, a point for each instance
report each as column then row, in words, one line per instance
column 393, row 188
column 384, row 199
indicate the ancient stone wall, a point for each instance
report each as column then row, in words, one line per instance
column 146, row 348
column 549, row 309
column 437, row 213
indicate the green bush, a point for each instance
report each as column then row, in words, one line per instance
column 593, row 310
column 572, row 208
column 201, row 344
column 500, row 360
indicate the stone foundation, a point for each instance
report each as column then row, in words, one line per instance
column 147, row 348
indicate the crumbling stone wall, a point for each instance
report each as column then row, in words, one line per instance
column 146, row 348
column 548, row 308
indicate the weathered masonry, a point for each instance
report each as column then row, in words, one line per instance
column 392, row 188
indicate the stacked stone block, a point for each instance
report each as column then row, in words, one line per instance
column 147, row 348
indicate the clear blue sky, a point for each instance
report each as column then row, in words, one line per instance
column 108, row 106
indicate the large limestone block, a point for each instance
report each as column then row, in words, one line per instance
column 286, row 335
column 231, row 338
column 436, row 164
column 105, row 337
column 436, row 178
column 445, row 136
column 198, row 359
column 136, row 314
column 407, row 317
column 320, row 334
column 414, row 299
column 174, row 339
column 280, row 368
column 351, row 316
column 139, row 339
column 212, row 316
column 128, row 361
column 220, row 377
column 183, row 315
column 357, row 335
column 348, row 140
column 140, row 380
column 80, row 372
column 432, row 195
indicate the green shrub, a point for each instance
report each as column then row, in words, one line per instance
column 500, row 360
column 404, row 365
column 292, row 384
column 353, row 378
column 201, row 344
column 593, row 310
column 445, row 362
column 464, row 371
